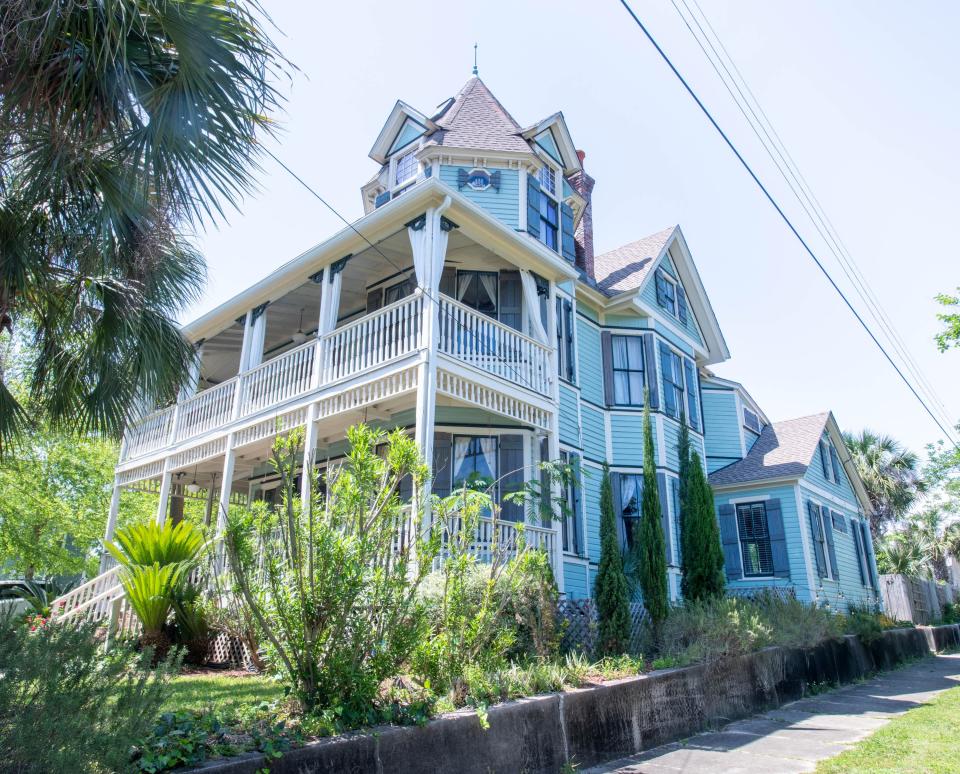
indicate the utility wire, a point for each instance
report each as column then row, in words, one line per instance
column 785, row 219
column 801, row 190
column 459, row 325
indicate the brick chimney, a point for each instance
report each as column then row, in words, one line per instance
column 583, row 184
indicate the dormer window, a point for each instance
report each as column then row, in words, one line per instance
column 406, row 170
column 548, row 181
column 670, row 295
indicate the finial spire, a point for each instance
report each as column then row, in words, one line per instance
column 475, row 70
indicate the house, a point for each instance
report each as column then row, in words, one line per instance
column 467, row 306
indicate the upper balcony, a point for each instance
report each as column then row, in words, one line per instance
column 282, row 355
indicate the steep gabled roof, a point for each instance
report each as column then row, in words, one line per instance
column 783, row 450
column 477, row 120
column 626, row 267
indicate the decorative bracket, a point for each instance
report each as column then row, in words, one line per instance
column 417, row 223
column 338, row 266
column 446, row 224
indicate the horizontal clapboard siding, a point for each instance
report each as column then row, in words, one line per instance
column 503, row 204
column 721, row 427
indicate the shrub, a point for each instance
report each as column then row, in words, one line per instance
column 713, row 628
column 951, row 613
column 702, row 564
column 648, row 541
column 65, row 706
column 610, row 587
column 795, row 623
column 330, row 587
column 192, row 621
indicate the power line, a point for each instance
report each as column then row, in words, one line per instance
column 805, row 196
column 459, row 325
column 784, row 217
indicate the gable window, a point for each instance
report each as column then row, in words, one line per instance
column 830, row 462
column 672, row 368
column 750, row 420
column 631, row 490
column 565, row 351
column 549, row 209
column 755, row 550
column 666, row 292
column 627, row 370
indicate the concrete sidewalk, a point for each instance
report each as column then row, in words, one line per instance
column 796, row 736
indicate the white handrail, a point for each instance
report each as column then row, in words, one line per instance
column 277, row 380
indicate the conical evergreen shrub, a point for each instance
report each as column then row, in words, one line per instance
column 610, row 587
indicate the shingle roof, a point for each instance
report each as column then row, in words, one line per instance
column 783, row 450
column 626, row 267
column 476, row 119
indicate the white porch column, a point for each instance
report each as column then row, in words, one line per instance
column 553, row 434
column 164, row 500
column 428, row 239
column 226, row 485
column 309, row 455
column 112, row 515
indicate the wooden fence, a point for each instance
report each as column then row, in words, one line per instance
column 918, row 600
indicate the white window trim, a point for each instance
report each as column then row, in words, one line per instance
column 395, row 187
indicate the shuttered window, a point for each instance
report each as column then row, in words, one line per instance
column 666, row 292
column 631, row 491
column 755, row 547
column 572, row 528
column 672, row 367
column 549, row 209
column 565, row 351
column 627, row 356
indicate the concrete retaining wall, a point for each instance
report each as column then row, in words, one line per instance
column 590, row 725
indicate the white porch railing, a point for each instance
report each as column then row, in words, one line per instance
column 491, row 346
column 374, row 339
column 502, row 540
column 358, row 347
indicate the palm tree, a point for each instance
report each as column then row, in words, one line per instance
column 928, row 531
column 890, row 475
column 124, row 124
column 902, row 554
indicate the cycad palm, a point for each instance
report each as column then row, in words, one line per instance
column 121, row 123
column 890, row 475
column 901, row 554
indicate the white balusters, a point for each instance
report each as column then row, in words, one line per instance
column 491, row 346
column 277, row 380
column 205, row 411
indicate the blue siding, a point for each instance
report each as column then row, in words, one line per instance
column 627, row 437
column 591, row 362
column 791, row 526
column 815, row 476
column 721, row 427
column 749, row 438
column 575, row 580
column 594, row 435
column 625, row 321
column 569, row 419
column 592, row 475
column 503, row 204
column 847, row 589
column 587, row 311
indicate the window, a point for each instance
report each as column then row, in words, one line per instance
column 478, row 290
column 565, row 351
column 571, row 530
column 754, row 539
column 474, row 460
column 672, row 367
column 666, row 292
column 398, row 291
column 830, row 462
column 750, row 420
column 821, row 528
column 406, row 170
column 631, row 489
column 627, row 370
column 549, row 209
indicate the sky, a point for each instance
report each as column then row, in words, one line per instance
column 865, row 96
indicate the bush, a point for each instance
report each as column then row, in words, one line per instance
column 65, row 706
column 610, row 588
column 951, row 613
column 713, row 628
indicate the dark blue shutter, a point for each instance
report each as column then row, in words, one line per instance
column 568, row 342
column 462, row 178
column 511, row 300
column 831, row 548
column 839, row 522
column 381, row 199
column 857, row 536
column 533, row 206
column 559, row 310
column 511, row 475
column 816, row 533
column 442, row 464
column 669, row 394
column 495, row 181
column 693, row 402
column 681, row 304
column 606, row 355
column 576, row 530
column 835, row 463
column 665, row 517
column 568, row 245
column 661, row 289
column 778, row 538
column 869, row 556
column 824, row 461
column 650, row 370
column 730, row 540
column 678, row 526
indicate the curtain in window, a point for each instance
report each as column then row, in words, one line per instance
column 474, row 455
column 489, row 284
column 532, row 301
column 630, row 495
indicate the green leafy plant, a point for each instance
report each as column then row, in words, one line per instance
column 151, row 543
column 192, row 621
column 67, row 706
column 149, row 589
column 40, row 596
column 702, row 553
column 648, row 541
column 178, row 739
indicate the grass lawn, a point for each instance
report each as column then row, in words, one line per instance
column 223, row 694
column 925, row 740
